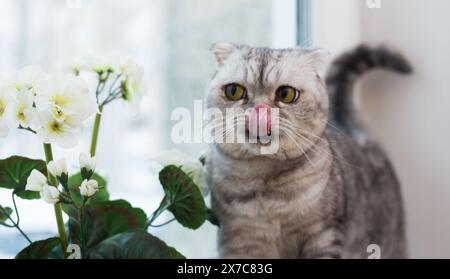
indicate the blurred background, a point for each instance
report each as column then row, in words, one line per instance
column 408, row 116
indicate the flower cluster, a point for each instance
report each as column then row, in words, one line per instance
column 52, row 106
column 55, row 107
column 53, row 194
column 115, row 77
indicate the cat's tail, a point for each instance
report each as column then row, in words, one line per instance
column 346, row 70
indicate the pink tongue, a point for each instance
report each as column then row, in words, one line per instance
column 260, row 122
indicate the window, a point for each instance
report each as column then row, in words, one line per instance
column 171, row 39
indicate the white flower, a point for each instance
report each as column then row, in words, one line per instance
column 91, row 79
column 120, row 72
column 88, row 188
column 27, row 78
column 67, row 98
column 20, row 111
column 36, row 181
column 199, row 175
column 87, row 162
column 193, row 168
column 50, row 194
column 64, row 102
column 17, row 99
column 57, row 168
column 134, row 85
column 4, row 101
column 53, row 131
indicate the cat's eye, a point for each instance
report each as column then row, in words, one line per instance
column 235, row 92
column 287, row 94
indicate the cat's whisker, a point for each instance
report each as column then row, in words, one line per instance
column 336, row 155
column 223, row 125
column 218, row 123
column 313, row 145
column 328, row 123
column 289, row 135
column 228, row 130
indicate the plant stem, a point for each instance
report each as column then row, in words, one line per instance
column 162, row 207
column 82, row 231
column 15, row 208
column 98, row 90
column 163, row 224
column 95, row 131
column 15, row 225
column 57, row 207
column 27, row 129
column 61, row 229
column 7, row 225
column 113, row 84
column 23, row 233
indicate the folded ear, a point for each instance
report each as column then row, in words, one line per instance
column 222, row 51
column 320, row 58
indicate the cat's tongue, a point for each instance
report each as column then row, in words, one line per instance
column 260, row 121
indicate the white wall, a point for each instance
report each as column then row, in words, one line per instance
column 409, row 116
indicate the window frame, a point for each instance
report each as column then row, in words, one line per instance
column 304, row 36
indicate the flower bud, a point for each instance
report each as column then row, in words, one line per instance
column 50, row 194
column 87, row 162
column 88, row 188
column 57, row 168
column 36, row 181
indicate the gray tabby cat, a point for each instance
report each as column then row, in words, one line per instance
column 323, row 194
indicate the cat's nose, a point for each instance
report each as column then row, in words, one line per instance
column 260, row 120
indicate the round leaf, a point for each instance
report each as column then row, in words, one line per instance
column 183, row 197
column 27, row 195
column 106, row 219
column 134, row 245
column 39, row 249
column 14, row 172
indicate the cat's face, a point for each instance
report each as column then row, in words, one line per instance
column 284, row 82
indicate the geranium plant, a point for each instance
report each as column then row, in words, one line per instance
column 54, row 108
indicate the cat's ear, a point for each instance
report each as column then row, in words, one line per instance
column 321, row 59
column 222, row 51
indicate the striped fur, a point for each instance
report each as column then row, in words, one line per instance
column 346, row 70
column 322, row 195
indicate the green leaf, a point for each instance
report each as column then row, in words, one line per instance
column 14, row 172
column 134, row 245
column 56, row 253
column 27, row 195
column 106, row 219
column 39, row 249
column 183, row 197
column 101, row 195
column 5, row 212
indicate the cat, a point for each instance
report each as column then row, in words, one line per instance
column 326, row 192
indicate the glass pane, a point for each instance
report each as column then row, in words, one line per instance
column 170, row 38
